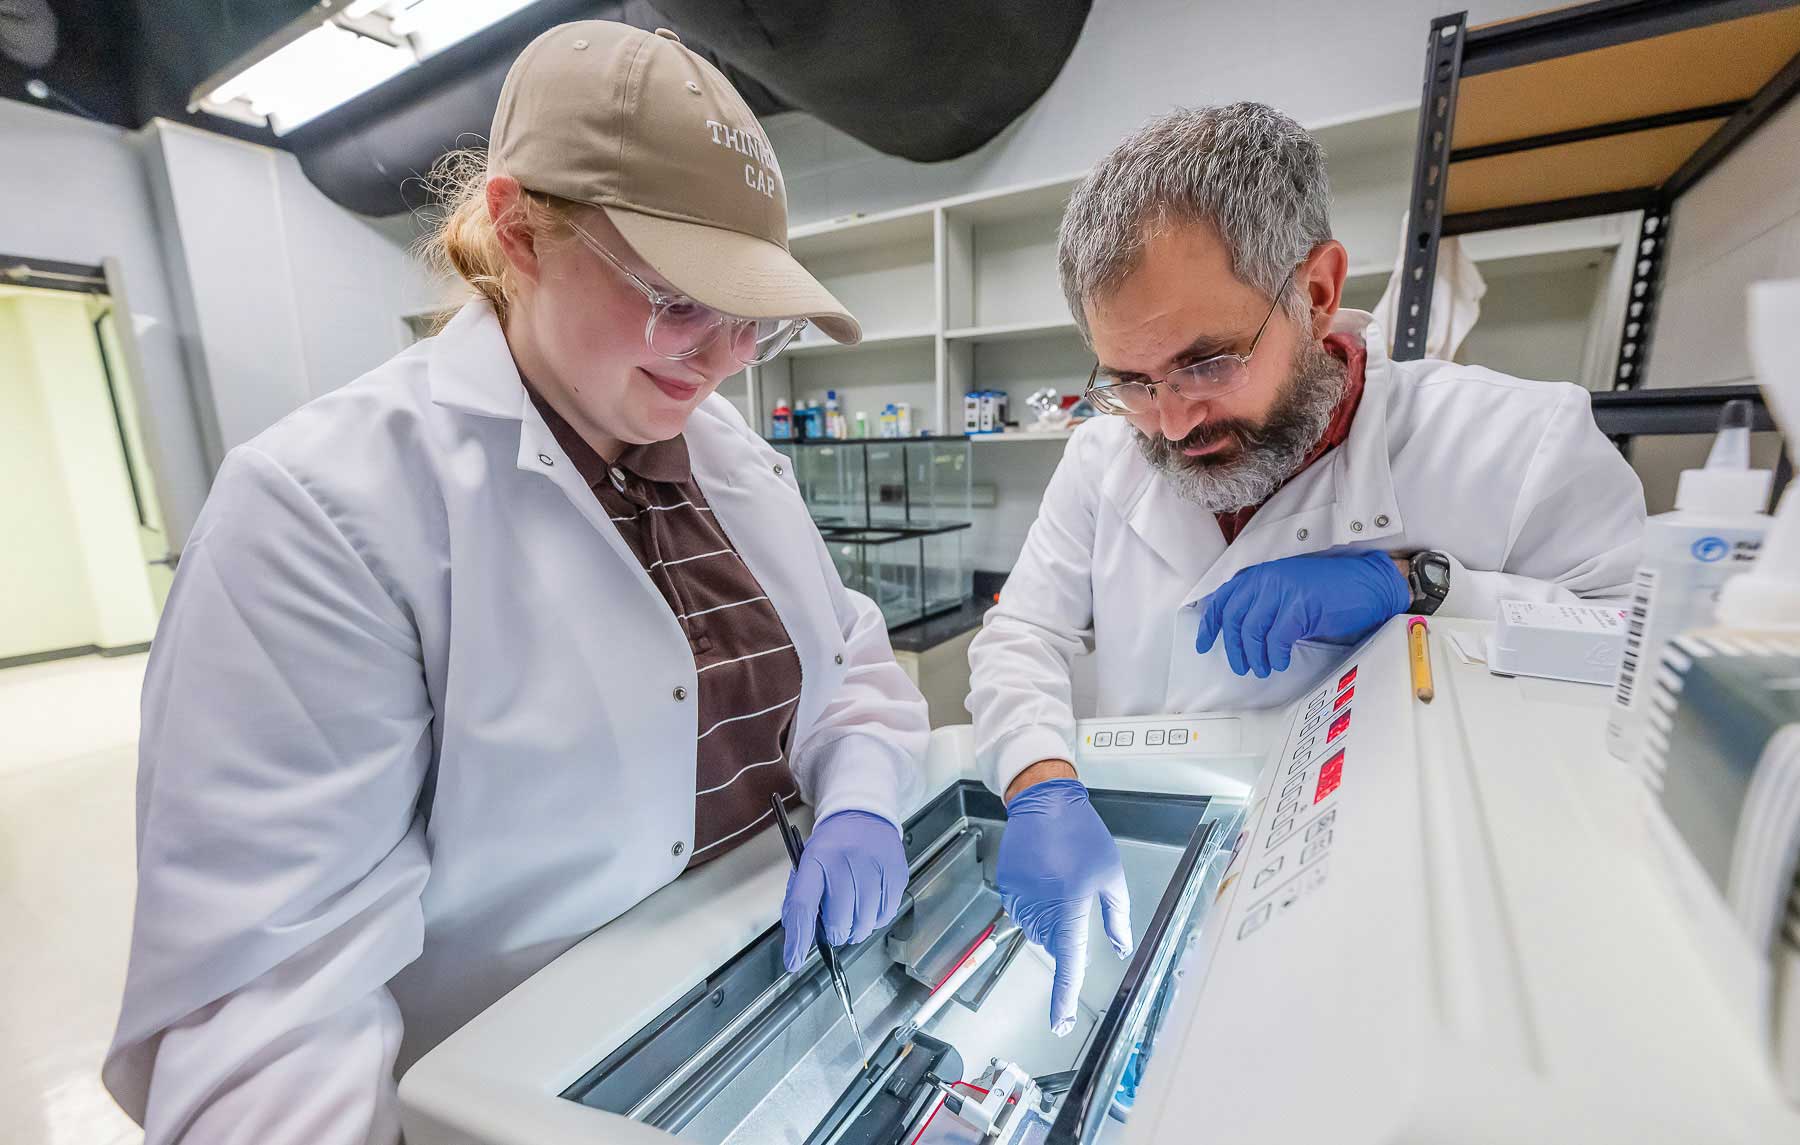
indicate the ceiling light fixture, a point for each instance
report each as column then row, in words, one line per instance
column 337, row 51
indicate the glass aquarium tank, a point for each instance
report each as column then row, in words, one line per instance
column 894, row 514
column 910, row 573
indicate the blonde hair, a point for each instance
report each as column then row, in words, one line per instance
column 463, row 240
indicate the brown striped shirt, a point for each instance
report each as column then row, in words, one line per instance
column 748, row 671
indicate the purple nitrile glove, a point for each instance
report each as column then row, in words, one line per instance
column 1263, row 611
column 853, row 871
column 1055, row 857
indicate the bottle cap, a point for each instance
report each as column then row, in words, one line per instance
column 1729, row 492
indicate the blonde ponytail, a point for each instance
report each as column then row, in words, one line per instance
column 463, row 241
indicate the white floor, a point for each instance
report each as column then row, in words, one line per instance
column 68, row 762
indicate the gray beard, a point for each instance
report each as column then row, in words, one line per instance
column 1267, row 454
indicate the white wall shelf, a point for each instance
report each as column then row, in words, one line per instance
column 818, row 344
column 1010, row 331
column 1056, row 435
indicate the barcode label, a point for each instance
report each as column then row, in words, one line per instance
column 1643, row 596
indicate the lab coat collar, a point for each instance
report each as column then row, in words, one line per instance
column 472, row 369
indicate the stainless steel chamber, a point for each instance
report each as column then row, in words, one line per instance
column 949, row 993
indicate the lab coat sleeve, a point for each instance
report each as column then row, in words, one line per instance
column 285, row 740
column 1576, row 530
column 1020, row 689
column 866, row 750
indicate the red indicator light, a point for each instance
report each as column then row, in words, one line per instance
column 1330, row 776
column 1347, row 679
column 1338, row 727
column 1349, row 693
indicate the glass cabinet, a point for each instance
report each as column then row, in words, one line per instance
column 894, row 515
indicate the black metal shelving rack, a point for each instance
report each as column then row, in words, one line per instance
column 1630, row 103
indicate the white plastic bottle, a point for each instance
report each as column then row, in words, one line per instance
column 1713, row 535
column 834, row 418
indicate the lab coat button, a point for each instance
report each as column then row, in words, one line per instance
column 1356, row 526
column 546, row 459
column 678, row 848
column 778, row 471
column 838, row 659
column 1381, row 521
column 1300, row 535
column 680, row 692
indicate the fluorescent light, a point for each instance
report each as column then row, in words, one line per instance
column 336, row 53
column 433, row 25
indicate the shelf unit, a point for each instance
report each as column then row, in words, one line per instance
column 1591, row 109
column 962, row 294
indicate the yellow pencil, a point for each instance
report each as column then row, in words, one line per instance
column 1421, row 659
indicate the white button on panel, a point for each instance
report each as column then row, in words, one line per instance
column 1316, row 848
column 1322, row 823
column 1289, row 893
column 1299, row 765
column 1315, row 875
column 1268, row 872
column 1254, row 920
column 1124, row 739
column 1153, row 737
column 1103, row 739
column 1281, row 830
column 1293, row 785
column 1177, row 736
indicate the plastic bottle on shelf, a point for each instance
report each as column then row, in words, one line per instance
column 862, row 425
column 1712, row 536
column 781, row 422
column 890, row 421
column 903, row 419
column 834, row 418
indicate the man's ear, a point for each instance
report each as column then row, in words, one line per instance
column 1322, row 277
column 505, row 205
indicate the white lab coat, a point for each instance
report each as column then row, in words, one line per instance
column 404, row 597
column 1509, row 477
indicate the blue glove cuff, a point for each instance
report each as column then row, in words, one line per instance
column 1399, row 592
column 1048, row 793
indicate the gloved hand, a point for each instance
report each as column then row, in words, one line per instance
column 853, row 870
column 1055, row 857
column 1265, row 609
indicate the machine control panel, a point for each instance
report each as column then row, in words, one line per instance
column 1162, row 735
column 1287, row 858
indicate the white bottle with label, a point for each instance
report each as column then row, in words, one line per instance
column 1713, row 535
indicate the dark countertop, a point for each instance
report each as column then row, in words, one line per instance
column 924, row 635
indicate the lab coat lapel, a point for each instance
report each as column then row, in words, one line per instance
column 1181, row 533
column 767, row 522
column 472, row 370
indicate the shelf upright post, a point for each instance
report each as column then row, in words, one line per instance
column 1430, row 184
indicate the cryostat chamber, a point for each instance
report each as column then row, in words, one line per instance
column 1361, row 918
column 949, row 996
column 678, row 1018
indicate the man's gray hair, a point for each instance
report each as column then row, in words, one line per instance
column 1252, row 172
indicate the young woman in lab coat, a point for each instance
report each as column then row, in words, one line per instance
column 421, row 713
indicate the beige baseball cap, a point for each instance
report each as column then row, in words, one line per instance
column 639, row 126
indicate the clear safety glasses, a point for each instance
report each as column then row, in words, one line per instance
column 1199, row 381
column 679, row 327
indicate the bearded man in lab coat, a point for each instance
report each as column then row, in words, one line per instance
column 1272, row 488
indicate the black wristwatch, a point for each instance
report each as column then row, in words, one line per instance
column 1428, row 575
